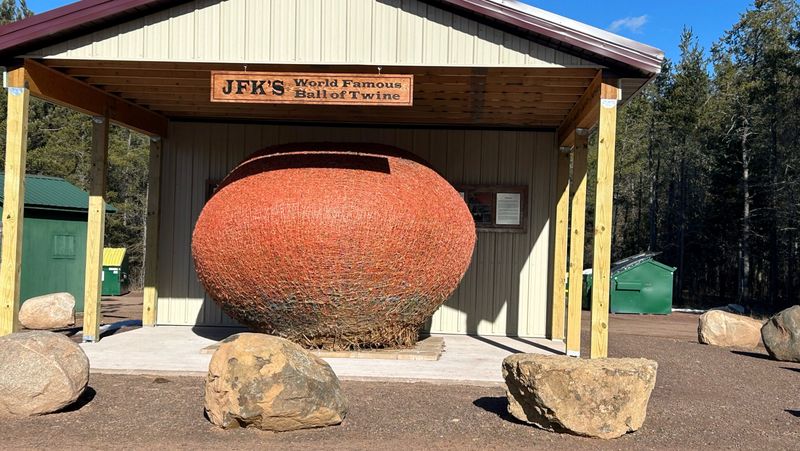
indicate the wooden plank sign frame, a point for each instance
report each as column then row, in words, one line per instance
column 312, row 88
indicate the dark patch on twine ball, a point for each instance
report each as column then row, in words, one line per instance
column 334, row 246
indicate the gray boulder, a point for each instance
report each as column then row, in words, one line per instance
column 50, row 311
column 603, row 398
column 40, row 372
column 781, row 335
column 272, row 384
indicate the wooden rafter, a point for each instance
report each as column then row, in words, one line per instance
column 584, row 114
column 54, row 86
column 443, row 96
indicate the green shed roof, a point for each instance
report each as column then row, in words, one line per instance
column 52, row 193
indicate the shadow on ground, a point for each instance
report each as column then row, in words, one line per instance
column 84, row 399
column 217, row 333
column 537, row 345
column 497, row 405
column 795, row 413
column 754, row 355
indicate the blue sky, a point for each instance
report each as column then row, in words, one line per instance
column 657, row 23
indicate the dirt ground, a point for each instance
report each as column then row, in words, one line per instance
column 705, row 397
column 124, row 312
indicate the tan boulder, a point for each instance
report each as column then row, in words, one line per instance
column 272, row 384
column 40, row 372
column 781, row 335
column 721, row 328
column 50, row 311
column 603, row 398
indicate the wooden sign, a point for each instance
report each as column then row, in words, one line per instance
column 312, row 88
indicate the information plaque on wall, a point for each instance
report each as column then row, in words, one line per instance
column 497, row 208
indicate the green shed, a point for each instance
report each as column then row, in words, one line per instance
column 639, row 284
column 115, row 272
column 53, row 237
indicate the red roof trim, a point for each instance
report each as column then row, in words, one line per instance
column 50, row 24
column 43, row 28
column 577, row 34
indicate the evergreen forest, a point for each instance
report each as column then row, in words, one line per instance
column 707, row 169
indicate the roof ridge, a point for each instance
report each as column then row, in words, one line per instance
column 38, row 176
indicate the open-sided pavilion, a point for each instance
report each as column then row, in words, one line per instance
column 504, row 95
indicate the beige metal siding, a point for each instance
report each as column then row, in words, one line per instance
column 505, row 290
column 373, row 32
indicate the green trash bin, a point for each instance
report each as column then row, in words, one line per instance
column 639, row 284
column 116, row 281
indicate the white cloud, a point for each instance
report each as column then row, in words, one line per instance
column 632, row 24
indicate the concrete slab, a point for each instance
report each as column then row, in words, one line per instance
column 428, row 348
column 176, row 350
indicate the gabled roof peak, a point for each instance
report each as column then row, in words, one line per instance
column 630, row 58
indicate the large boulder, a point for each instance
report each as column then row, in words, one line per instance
column 272, row 384
column 50, row 311
column 781, row 335
column 40, row 372
column 721, row 328
column 603, row 398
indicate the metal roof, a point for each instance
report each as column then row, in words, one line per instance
column 113, row 256
column 52, row 193
column 569, row 35
column 627, row 263
column 81, row 17
column 632, row 58
column 631, row 262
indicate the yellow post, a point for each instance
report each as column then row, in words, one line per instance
column 13, row 201
column 601, row 272
column 560, row 247
column 577, row 227
column 95, row 230
column 150, row 304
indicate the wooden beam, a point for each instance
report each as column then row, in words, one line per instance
column 150, row 303
column 560, row 247
column 584, row 114
column 95, row 230
column 601, row 272
column 13, row 201
column 576, row 244
column 56, row 87
column 173, row 67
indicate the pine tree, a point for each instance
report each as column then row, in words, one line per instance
column 762, row 47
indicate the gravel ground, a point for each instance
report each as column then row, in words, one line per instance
column 117, row 310
column 705, row 397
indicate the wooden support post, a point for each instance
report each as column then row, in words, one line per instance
column 560, row 247
column 95, row 230
column 150, row 304
column 576, row 243
column 13, row 201
column 601, row 272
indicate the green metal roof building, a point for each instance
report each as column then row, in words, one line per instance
column 53, row 237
